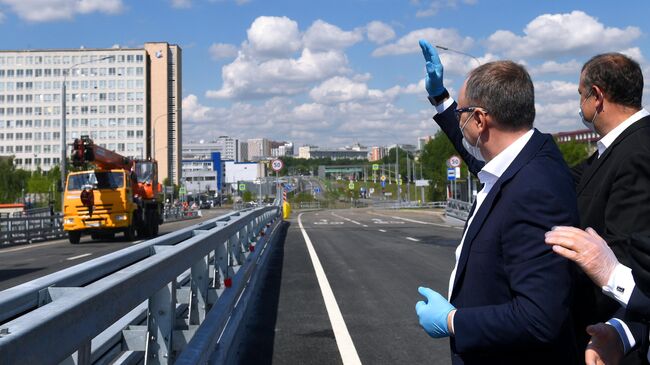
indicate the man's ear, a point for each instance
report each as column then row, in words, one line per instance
column 481, row 119
column 599, row 97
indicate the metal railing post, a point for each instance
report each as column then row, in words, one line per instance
column 200, row 277
column 160, row 325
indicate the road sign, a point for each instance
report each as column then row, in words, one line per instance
column 375, row 167
column 242, row 187
column 451, row 173
column 421, row 182
column 316, row 190
column 169, row 190
column 383, row 183
column 383, row 177
column 454, row 161
column 351, row 185
column 457, row 170
column 182, row 190
column 371, row 190
column 277, row 165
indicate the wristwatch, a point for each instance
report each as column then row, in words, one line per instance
column 435, row 100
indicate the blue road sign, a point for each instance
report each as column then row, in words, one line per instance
column 383, row 184
column 316, row 190
column 451, row 173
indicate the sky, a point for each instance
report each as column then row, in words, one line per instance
column 336, row 72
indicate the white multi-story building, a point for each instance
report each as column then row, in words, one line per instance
column 243, row 152
column 258, row 149
column 127, row 100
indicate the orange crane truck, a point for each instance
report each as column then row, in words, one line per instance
column 120, row 194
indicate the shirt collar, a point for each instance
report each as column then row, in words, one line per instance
column 610, row 137
column 493, row 170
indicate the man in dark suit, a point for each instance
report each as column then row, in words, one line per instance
column 509, row 294
column 613, row 187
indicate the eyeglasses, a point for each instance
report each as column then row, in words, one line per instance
column 460, row 111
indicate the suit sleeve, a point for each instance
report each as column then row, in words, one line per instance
column 540, row 280
column 448, row 123
column 628, row 205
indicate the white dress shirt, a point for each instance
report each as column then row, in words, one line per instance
column 488, row 175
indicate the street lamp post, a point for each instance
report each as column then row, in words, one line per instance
column 63, row 119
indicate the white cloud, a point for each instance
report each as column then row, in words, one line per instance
column 634, row 53
column 247, row 77
column 556, row 91
column 434, row 6
column 561, row 68
column 274, row 36
column 553, row 35
column 324, row 36
column 222, row 50
column 195, row 112
column 50, row 10
column 182, row 4
column 409, row 43
column 339, row 89
column 379, row 33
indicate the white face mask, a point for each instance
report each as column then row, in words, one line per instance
column 472, row 150
column 588, row 124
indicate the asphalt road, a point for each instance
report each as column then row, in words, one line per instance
column 20, row 264
column 374, row 261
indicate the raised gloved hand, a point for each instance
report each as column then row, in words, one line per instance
column 433, row 80
column 585, row 248
column 433, row 313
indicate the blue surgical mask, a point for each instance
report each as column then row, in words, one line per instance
column 472, row 150
column 588, row 124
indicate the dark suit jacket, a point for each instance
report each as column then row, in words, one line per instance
column 614, row 199
column 512, row 293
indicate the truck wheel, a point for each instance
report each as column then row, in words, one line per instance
column 129, row 233
column 74, row 237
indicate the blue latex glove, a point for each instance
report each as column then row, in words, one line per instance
column 433, row 81
column 433, row 313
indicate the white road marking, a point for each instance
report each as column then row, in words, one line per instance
column 347, row 219
column 30, row 246
column 382, row 230
column 78, row 257
column 412, row 239
column 343, row 340
column 364, row 225
column 414, row 221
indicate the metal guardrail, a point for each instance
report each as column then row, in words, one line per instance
column 30, row 228
column 41, row 225
column 310, row 205
column 394, row 204
column 173, row 299
column 458, row 209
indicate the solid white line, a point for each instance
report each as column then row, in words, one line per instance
column 78, row 257
column 382, row 230
column 347, row 219
column 412, row 239
column 414, row 221
column 343, row 340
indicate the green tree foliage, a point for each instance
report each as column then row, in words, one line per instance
column 12, row 181
column 434, row 157
column 573, row 152
column 247, row 196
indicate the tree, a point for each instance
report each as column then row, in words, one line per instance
column 247, row 196
column 12, row 181
column 573, row 152
column 434, row 159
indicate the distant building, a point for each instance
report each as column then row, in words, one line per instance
column 258, row 149
column 354, row 152
column 582, row 135
column 243, row 152
column 403, row 147
column 423, row 141
column 377, row 153
column 203, row 174
column 126, row 99
column 283, row 149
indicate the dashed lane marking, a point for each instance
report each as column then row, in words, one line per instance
column 348, row 219
column 382, row 230
column 78, row 257
column 412, row 239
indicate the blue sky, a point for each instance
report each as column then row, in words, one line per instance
column 335, row 72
